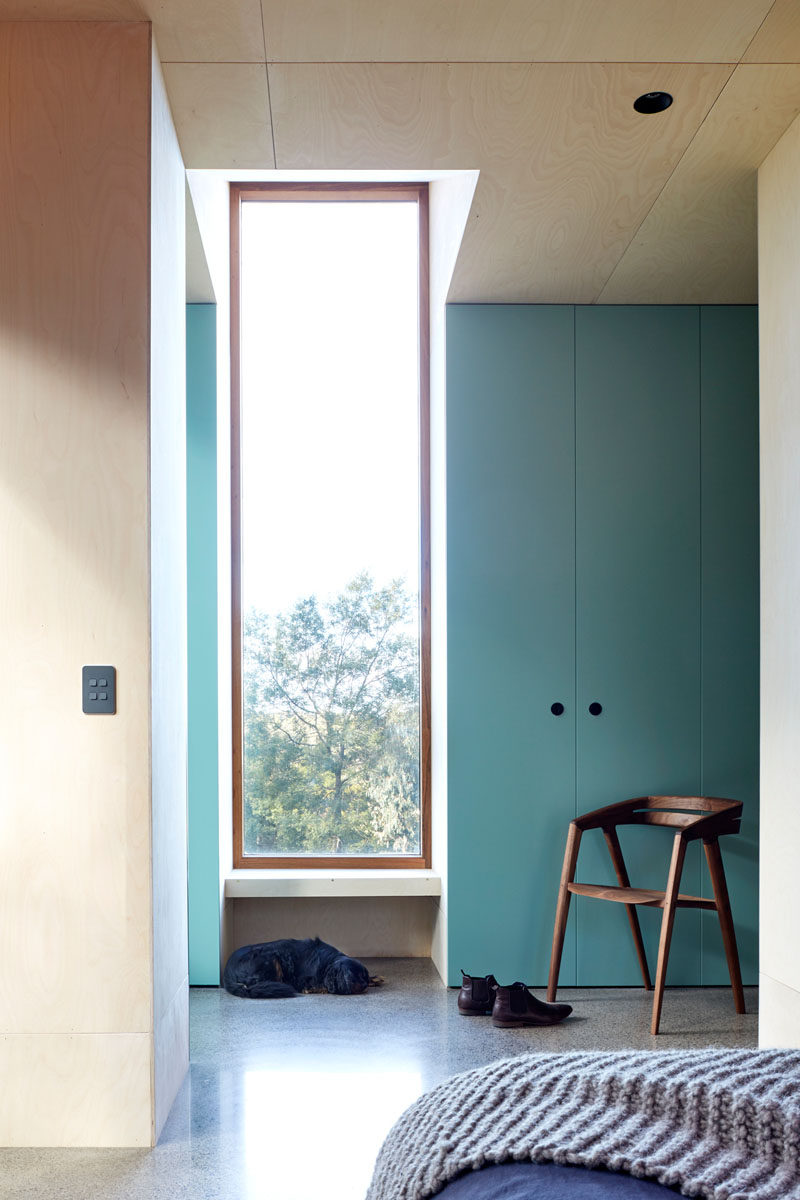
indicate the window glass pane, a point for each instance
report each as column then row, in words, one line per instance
column 330, row 528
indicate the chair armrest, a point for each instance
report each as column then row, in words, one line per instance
column 613, row 814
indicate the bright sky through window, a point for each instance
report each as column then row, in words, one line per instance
column 329, row 398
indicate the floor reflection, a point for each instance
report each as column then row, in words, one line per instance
column 317, row 1132
column 291, row 1099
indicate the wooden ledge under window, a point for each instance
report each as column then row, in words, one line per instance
column 324, row 881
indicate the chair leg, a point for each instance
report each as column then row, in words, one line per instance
column 667, row 923
column 562, row 908
column 615, row 850
column 717, row 872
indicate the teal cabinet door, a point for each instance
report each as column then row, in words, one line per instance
column 729, row 384
column 638, row 589
column 511, row 633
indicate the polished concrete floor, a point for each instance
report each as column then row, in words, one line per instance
column 290, row 1099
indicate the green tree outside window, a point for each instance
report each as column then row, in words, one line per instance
column 331, row 725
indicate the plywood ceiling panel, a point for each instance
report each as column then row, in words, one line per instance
column 778, row 39
column 73, row 10
column 185, row 30
column 221, row 113
column 698, row 242
column 510, row 30
column 578, row 197
column 199, row 287
column 568, row 169
column 207, row 31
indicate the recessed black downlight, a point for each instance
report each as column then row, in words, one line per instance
column 652, row 102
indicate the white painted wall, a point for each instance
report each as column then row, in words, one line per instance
column 210, row 195
column 450, row 201
column 168, row 604
column 779, row 333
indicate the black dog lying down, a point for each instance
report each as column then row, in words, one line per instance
column 287, row 967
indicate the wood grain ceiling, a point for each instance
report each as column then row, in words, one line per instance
column 568, row 169
column 579, row 198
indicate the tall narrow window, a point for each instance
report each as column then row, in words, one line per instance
column 331, row 577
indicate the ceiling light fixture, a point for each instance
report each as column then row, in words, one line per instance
column 652, row 102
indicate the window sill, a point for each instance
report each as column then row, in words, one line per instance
column 330, row 882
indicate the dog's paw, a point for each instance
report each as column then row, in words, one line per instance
column 375, row 980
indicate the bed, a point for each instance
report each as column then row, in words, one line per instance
column 633, row 1125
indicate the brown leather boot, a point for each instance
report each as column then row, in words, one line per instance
column 515, row 1006
column 477, row 994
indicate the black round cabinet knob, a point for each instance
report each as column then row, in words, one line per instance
column 557, row 708
column 595, row 709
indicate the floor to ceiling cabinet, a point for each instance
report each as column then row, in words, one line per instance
column 511, row 630
column 602, row 548
column 637, row 453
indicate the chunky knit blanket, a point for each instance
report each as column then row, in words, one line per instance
column 721, row 1124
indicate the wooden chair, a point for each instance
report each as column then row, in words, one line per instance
column 693, row 817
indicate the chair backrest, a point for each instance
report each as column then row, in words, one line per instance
column 695, row 816
column 698, row 816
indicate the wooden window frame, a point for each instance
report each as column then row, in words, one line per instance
column 332, row 193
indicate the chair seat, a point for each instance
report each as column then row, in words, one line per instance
column 631, row 895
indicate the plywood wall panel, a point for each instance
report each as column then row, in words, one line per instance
column 698, row 242
column 778, row 1006
column 57, row 1088
column 75, row 900
column 779, row 301
column 512, row 31
column 374, row 927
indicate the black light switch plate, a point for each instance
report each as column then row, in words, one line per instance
column 99, row 689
